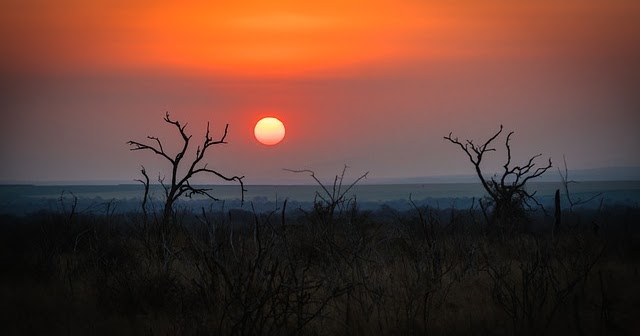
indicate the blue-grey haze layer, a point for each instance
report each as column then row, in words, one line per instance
column 24, row 199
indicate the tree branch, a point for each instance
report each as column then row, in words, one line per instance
column 145, row 183
column 141, row 146
column 508, row 195
column 181, row 185
column 479, row 152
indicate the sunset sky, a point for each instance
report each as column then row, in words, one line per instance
column 372, row 84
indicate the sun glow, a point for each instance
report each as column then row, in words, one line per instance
column 248, row 38
column 269, row 131
column 293, row 39
column 281, row 39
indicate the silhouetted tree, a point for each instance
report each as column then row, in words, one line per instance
column 180, row 184
column 507, row 192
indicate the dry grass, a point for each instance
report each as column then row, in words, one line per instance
column 442, row 272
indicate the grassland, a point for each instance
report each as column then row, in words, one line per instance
column 326, row 271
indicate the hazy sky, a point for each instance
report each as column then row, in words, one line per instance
column 373, row 84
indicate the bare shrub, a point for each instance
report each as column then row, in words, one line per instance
column 508, row 195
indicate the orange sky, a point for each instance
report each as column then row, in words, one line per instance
column 373, row 84
column 300, row 38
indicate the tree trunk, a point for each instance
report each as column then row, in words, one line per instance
column 558, row 212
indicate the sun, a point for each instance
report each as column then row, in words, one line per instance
column 269, row 131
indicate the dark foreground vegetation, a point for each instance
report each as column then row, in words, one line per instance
column 495, row 269
column 331, row 270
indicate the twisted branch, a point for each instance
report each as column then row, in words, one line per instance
column 181, row 185
column 503, row 192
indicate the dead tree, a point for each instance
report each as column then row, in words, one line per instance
column 507, row 192
column 180, row 184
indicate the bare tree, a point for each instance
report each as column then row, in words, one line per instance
column 180, row 184
column 507, row 192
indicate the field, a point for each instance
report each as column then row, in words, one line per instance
column 332, row 268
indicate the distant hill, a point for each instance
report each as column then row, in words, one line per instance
column 552, row 175
column 70, row 182
column 596, row 174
